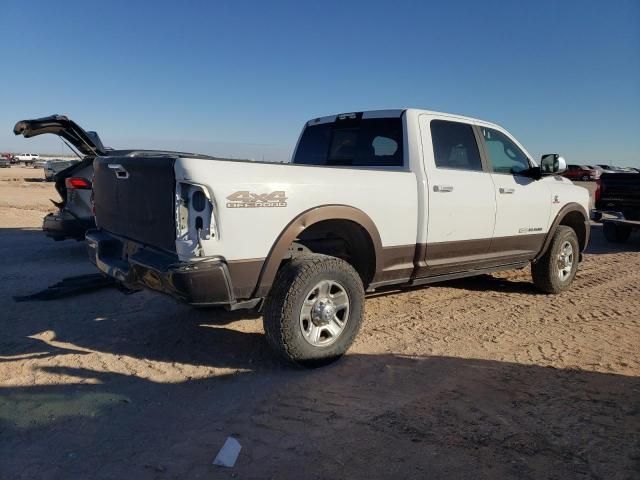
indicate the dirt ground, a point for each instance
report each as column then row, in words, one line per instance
column 480, row 378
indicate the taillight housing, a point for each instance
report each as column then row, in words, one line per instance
column 78, row 183
column 195, row 217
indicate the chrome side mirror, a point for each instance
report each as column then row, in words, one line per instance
column 552, row 163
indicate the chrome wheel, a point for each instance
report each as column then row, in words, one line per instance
column 324, row 313
column 565, row 261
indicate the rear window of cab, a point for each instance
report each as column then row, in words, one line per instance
column 353, row 141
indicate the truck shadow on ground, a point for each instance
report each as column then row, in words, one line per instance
column 478, row 283
column 367, row 416
column 165, row 332
column 142, row 325
column 483, row 283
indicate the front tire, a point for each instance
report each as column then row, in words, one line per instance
column 556, row 269
column 314, row 310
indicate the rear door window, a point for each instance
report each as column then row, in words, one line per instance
column 353, row 141
column 455, row 146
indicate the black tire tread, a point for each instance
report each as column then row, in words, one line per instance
column 285, row 292
column 543, row 270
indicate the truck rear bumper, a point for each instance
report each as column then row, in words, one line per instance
column 204, row 282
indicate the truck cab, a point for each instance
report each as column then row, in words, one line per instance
column 481, row 197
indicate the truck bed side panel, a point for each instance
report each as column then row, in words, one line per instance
column 248, row 230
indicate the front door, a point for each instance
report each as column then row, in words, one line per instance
column 523, row 203
column 461, row 201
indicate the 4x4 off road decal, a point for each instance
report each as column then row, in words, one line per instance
column 246, row 199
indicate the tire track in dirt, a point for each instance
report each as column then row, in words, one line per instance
column 517, row 324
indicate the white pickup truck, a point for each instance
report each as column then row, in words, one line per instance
column 370, row 199
column 27, row 158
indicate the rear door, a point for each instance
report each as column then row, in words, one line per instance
column 523, row 203
column 461, row 204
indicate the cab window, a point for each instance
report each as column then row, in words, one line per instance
column 353, row 142
column 504, row 155
column 455, row 146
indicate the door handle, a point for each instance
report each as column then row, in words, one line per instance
column 507, row 190
column 443, row 188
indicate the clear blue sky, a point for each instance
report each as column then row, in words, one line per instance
column 240, row 78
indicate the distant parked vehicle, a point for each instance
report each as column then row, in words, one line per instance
column 609, row 168
column 53, row 167
column 8, row 156
column 582, row 172
column 27, row 158
column 5, row 162
column 618, row 195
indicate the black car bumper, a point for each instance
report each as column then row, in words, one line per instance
column 629, row 210
column 205, row 282
column 62, row 225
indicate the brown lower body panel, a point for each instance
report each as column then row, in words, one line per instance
column 434, row 259
column 404, row 263
column 244, row 276
column 397, row 263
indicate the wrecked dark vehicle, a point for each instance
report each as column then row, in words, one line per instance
column 73, row 184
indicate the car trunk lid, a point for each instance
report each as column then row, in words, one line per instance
column 88, row 143
column 85, row 142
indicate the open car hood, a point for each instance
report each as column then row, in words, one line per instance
column 88, row 143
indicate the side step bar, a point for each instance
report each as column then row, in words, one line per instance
column 468, row 273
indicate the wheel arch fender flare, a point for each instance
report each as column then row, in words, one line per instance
column 301, row 222
column 564, row 213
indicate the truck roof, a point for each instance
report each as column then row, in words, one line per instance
column 396, row 112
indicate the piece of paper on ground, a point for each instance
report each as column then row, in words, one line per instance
column 228, row 454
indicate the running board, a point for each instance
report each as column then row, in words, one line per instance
column 468, row 273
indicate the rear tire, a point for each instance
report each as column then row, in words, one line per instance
column 616, row 233
column 314, row 310
column 556, row 269
column 586, row 178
